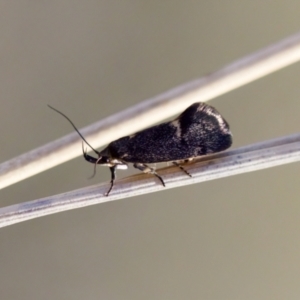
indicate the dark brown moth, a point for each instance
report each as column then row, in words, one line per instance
column 198, row 131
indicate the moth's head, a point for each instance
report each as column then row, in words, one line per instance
column 104, row 159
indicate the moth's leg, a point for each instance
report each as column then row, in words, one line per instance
column 146, row 169
column 181, row 168
column 113, row 177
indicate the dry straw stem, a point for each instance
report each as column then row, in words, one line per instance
column 242, row 160
column 243, row 71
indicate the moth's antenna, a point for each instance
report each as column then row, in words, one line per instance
column 74, row 128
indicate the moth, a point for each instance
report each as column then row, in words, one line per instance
column 198, row 131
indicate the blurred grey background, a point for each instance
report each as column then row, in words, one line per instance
column 233, row 238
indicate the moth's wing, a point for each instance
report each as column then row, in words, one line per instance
column 204, row 129
column 199, row 130
column 155, row 144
